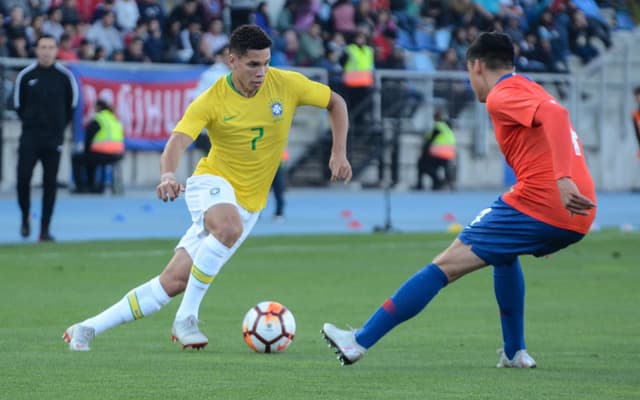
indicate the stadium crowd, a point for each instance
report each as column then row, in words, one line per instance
column 309, row 32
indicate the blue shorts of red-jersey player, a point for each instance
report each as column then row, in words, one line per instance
column 501, row 233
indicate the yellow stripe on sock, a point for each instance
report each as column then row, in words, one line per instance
column 134, row 305
column 201, row 276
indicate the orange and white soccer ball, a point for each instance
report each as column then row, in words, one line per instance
column 268, row 327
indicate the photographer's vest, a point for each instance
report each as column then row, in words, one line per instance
column 358, row 71
column 444, row 145
column 110, row 138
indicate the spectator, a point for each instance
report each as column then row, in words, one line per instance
column 16, row 24
column 214, row 39
column 598, row 26
column 154, row 45
column 405, row 15
column 524, row 64
column 44, row 119
column 337, row 43
column 537, row 50
column 70, row 14
column 65, row 52
column 459, row 42
column 23, row 5
column 53, row 24
column 87, row 50
column 439, row 12
column 101, row 55
column 261, row 18
column 186, row 13
column 306, row 15
column 151, row 9
column 213, row 8
column 331, row 62
column 191, row 37
column 18, row 45
column 77, row 32
column 384, row 21
column 463, row 12
column 343, row 18
column 34, row 30
column 103, row 145
column 291, row 48
column 287, row 16
column 127, row 14
column 311, row 46
column 512, row 29
column 104, row 34
column 551, row 37
column 580, row 38
column 240, row 12
column 103, row 7
column 385, row 43
column 134, row 51
column 365, row 17
column 456, row 93
column 141, row 31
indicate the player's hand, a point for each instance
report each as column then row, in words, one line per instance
column 169, row 188
column 340, row 168
column 572, row 199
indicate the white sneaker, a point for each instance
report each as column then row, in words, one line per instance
column 521, row 359
column 79, row 336
column 344, row 343
column 187, row 333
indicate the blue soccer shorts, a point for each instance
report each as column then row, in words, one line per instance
column 501, row 233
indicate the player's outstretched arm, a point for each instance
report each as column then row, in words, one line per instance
column 339, row 118
column 169, row 187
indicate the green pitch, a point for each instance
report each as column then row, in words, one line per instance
column 582, row 323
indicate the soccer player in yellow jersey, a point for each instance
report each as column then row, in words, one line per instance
column 247, row 115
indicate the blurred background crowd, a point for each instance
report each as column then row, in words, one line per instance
column 315, row 32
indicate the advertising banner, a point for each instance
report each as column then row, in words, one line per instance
column 148, row 102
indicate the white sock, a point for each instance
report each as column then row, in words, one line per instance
column 209, row 259
column 142, row 301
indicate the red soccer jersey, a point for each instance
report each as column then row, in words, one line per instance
column 512, row 106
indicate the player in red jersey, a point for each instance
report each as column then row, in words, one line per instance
column 549, row 208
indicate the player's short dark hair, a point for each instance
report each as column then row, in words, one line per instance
column 493, row 48
column 636, row 91
column 248, row 37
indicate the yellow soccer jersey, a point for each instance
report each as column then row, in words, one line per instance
column 249, row 135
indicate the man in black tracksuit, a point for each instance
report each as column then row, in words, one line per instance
column 45, row 96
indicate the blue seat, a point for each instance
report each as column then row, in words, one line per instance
column 405, row 40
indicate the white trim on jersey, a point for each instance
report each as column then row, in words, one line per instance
column 16, row 92
column 72, row 81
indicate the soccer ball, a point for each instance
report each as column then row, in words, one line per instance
column 268, row 327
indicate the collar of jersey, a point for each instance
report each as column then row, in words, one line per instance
column 230, row 82
column 503, row 77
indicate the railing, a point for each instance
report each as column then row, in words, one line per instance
column 598, row 98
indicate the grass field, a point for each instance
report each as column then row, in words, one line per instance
column 583, row 323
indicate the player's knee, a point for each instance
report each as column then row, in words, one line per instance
column 227, row 233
